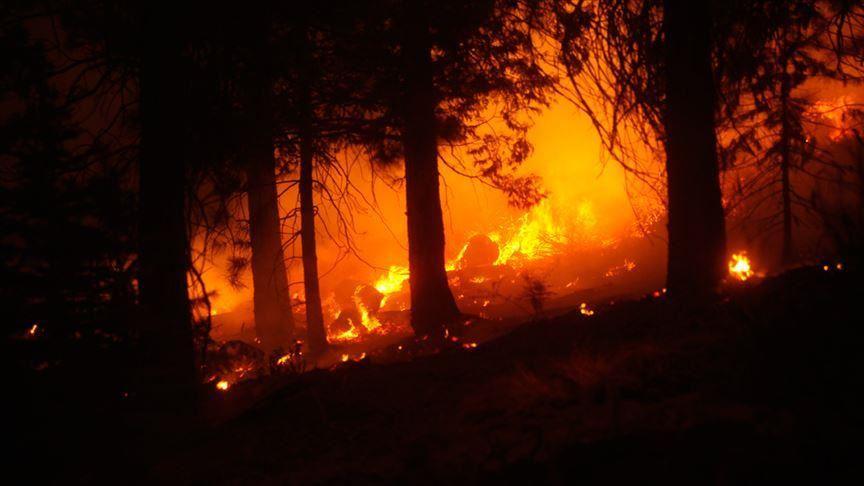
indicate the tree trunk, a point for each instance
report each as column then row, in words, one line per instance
column 697, row 235
column 169, row 371
column 785, row 166
column 315, row 332
column 274, row 322
column 432, row 303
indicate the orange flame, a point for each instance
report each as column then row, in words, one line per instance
column 392, row 282
column 739, row 266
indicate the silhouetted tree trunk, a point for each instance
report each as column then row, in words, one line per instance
column 432, row 303
column 785, row 163
column 316, row 334
column 166, row 330
column 274, row 322
column 697, row 235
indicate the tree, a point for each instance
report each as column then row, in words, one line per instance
column 65, row 205
column 696, row 224
column 777, row 151
column 432, row 302
column 442, row 65
column 643, row 72
column 163, row 258
column 316, row 334
column 272, row 299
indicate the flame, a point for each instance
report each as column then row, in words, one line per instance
column 359, row 357
column 739, row 266
column 543, row 228
column 392, row 282
column 536, row 234
column 223, row 385
column 346, row 335
column 454, row 263
column 369, row 321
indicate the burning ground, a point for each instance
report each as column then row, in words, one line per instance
column 757, row 386
column 547, row 260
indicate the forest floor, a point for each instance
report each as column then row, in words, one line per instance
column 760, row 387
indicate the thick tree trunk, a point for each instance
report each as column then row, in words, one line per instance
column 274, row 322
column 697, row 235
column 432, row 302
column 168, row 371
column 785, row 166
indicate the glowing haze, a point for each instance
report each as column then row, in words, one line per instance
column 582, row 191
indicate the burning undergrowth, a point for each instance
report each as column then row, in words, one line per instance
column 542, row 264
column 550, row 259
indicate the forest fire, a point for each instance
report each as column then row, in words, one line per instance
column 487, row 270
column 450, row 241
column 739, row 266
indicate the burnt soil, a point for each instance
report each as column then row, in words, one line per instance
column 761, row 386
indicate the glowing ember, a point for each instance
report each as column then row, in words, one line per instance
column 584, row 310
column 222, row 385
column 739, row 266
column 347, row 357
column 627, row 266
column 33, row 330
column 346, row 335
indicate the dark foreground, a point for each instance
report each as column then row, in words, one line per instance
column 761, row 387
